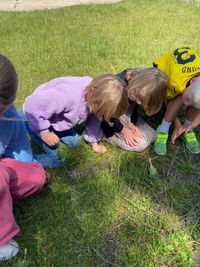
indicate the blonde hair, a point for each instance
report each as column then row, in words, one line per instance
column 149, row 86
column 107, row 96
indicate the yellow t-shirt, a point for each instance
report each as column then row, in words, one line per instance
column 180, row 65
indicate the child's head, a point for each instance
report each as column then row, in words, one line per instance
column 147, row 87
column 8, row 83
column 191, row 95
column 107, row 96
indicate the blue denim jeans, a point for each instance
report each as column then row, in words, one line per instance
column 51, row 159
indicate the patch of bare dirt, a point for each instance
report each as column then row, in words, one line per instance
column 28, row 5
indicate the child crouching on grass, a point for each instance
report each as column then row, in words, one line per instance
column 14, row 141
column 17, row 179
column 146, row 88
column 182, row 66
column 55, row 108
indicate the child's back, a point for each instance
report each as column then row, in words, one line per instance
column 14, row 141
column 59, row 103
column 55, row 108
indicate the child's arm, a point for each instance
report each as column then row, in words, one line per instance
column 132, row 133
column 128, row 133
column 93, row 133
column 194, row 124
column 110, row 130
column 50, row 139
column 173, row 108
column 42, row 106
column 171, row 115
column 178, row 130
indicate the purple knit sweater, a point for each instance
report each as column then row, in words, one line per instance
column 61, row 103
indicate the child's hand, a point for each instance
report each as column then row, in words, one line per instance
column 135, row 130
column 130, row 137
column 176, row 133
column 99, row 148
column 50, row 139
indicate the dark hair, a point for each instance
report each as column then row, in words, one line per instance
column 8, row 82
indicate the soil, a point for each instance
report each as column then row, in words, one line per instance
column 28, row 5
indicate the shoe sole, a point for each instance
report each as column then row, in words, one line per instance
column 161, row 154
column 5, row 258
column 185, row 144
column 194, row 153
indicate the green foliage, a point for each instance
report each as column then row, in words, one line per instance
column 63, row 151
column 153, row 173
column 23, row 262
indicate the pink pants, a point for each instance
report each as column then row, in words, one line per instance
column 17, row 180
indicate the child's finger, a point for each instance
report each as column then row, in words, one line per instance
column 136, row 131
column 133, row 142
column 188, row 128
column 55, row 140
column 99, row 149
column 103, row 149
column 173, row 140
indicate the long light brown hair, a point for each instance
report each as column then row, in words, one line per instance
column 148, row 88
column 107, row 96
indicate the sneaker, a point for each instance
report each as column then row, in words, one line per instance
column 160, row 146
column 9, row 250
column 191, row 142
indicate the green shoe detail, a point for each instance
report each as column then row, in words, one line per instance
column 160, row 146
column 191, row 142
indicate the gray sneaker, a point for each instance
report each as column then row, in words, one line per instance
column 9, row 250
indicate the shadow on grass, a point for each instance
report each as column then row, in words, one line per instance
column 105, row 210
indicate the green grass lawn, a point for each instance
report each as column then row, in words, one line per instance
column 106, row 210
